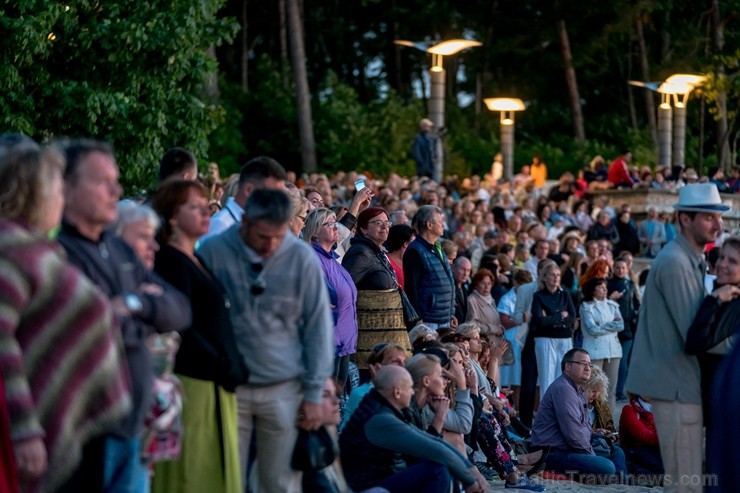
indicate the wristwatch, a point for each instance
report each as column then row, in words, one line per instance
column 133, row 303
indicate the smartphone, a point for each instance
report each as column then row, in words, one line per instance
column 359, row 185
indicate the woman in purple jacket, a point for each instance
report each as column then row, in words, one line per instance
column 321, row 233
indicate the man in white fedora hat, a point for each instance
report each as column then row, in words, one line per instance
column 660, row 368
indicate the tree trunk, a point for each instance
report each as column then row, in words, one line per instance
column 211, row 87
column 283, row 45
column 244, row 50
column 570, row 79
column 303, row 101
column 645, row 75
column 723, row 134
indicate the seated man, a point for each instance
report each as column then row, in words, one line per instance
column 562, row 423
column 376, row 439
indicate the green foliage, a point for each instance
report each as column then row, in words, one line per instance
column 128, row 72
column 373, row 137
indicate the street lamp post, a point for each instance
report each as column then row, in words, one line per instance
column 507, row 107
column 436, row 102
column 665, row 118
column 672, row 121
column 680, row 86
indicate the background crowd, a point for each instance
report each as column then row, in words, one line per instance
column 520, row 304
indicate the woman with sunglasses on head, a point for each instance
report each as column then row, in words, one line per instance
column 321, row 233
column 207, row 363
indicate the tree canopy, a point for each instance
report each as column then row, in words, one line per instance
column 135, row 73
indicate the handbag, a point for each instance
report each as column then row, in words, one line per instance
column 163, row 424
column 410, row 317
column 603, row 446
column 314, row 450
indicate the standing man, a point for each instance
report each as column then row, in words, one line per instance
column 424, row 149
column 541, row 250
column 461, row 269
column 142, row 302
column 284, row 331
column 178, row 164
column 660, row 368
column 428, row 280
column 260, row 172
column 651, row 234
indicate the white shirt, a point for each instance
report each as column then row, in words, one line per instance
column 224, row 219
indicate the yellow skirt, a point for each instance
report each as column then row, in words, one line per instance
column 209, row 459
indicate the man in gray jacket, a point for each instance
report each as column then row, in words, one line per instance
column 284, row 331
column 660, row 368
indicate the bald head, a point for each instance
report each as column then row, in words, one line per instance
column 395, row 384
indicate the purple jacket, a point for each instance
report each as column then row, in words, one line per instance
column 343, row 295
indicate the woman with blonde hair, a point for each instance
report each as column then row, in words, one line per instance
column 553, row 318
column 597, row 396
column 321, row 233
column 300, row 212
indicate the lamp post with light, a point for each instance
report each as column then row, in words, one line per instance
column 672, row 120
column 436, row 102
column 507, row 107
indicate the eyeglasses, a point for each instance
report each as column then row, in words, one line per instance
column 302, row 218
column 379, row 223
column 331, row 225
column 584, row 364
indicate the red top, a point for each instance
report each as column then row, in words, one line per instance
column 398, row 269
column 637, row 427
column 618, row 172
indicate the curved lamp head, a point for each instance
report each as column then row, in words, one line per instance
column 445, row 48
column 680, row 86
column 452, row 46
column 507, row 107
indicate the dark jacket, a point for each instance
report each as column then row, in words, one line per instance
column 547, row 318
column 599, row 232
column 208, row 349
column 368, row 265
column 113, row 266
column 629, row 241
column 428, row 281
column 461, row 302
column 424, row 151
column 629, row 305
column 376, row 438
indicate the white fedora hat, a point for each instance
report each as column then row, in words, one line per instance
column 700, row 197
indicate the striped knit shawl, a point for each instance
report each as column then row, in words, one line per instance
column 66, row 380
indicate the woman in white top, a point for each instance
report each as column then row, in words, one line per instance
column 600, row 322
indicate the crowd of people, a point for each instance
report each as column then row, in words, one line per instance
column 435, row 336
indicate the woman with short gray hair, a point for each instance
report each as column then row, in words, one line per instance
column 137, row 225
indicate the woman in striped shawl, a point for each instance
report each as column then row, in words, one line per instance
column 64, row 379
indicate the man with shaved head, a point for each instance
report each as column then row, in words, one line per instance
column 377, row 438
